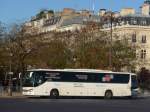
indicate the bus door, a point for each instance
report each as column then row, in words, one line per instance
column 39, row 85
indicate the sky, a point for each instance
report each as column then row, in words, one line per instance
column 14, row 11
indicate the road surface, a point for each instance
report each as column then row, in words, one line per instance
column 74, row 105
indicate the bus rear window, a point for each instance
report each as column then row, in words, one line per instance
column 134, row 82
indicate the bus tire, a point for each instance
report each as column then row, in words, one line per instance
column 108, row 94
column 54, row 93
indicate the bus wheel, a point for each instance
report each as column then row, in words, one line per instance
column 108, row 94
column 54, row 93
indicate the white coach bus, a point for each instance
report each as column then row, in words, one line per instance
column 79, row 82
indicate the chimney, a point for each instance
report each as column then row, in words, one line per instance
column 68, row 11
column 102, row 12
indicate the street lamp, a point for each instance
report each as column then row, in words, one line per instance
column 10, row 73
column 111, row 34
column 75, row 61
column 109, row 20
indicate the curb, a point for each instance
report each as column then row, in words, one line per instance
column 13, row 97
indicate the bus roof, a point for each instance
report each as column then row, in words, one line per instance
column 81, row 70
column 73, row 70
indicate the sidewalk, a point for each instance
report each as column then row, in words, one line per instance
column 146, row 94
column 14, row 95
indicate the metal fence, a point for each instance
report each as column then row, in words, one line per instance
column 5, row 91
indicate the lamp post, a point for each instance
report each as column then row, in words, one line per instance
column 108, row 20
column 10, row 73
column 111, row 34
column 75, row 61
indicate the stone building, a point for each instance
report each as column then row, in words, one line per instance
column 136, row 27
column 129, row 23
column 67, row 20
column 138, row 37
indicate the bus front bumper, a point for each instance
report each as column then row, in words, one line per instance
column 135, row 92
column 28, row 92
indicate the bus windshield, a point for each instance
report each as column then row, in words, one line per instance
column 33, row 79
column 134, row 82
column 28, row 79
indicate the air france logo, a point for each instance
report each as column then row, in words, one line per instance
column 107, row 78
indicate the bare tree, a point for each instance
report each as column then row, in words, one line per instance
column 18, row 46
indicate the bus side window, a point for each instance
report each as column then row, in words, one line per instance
column 100, row 78
column 92, row 77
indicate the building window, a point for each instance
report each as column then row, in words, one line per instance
column 144, row 22
column 143, row 38
column 134, row 38
column 143, row 54
column 133, row 21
